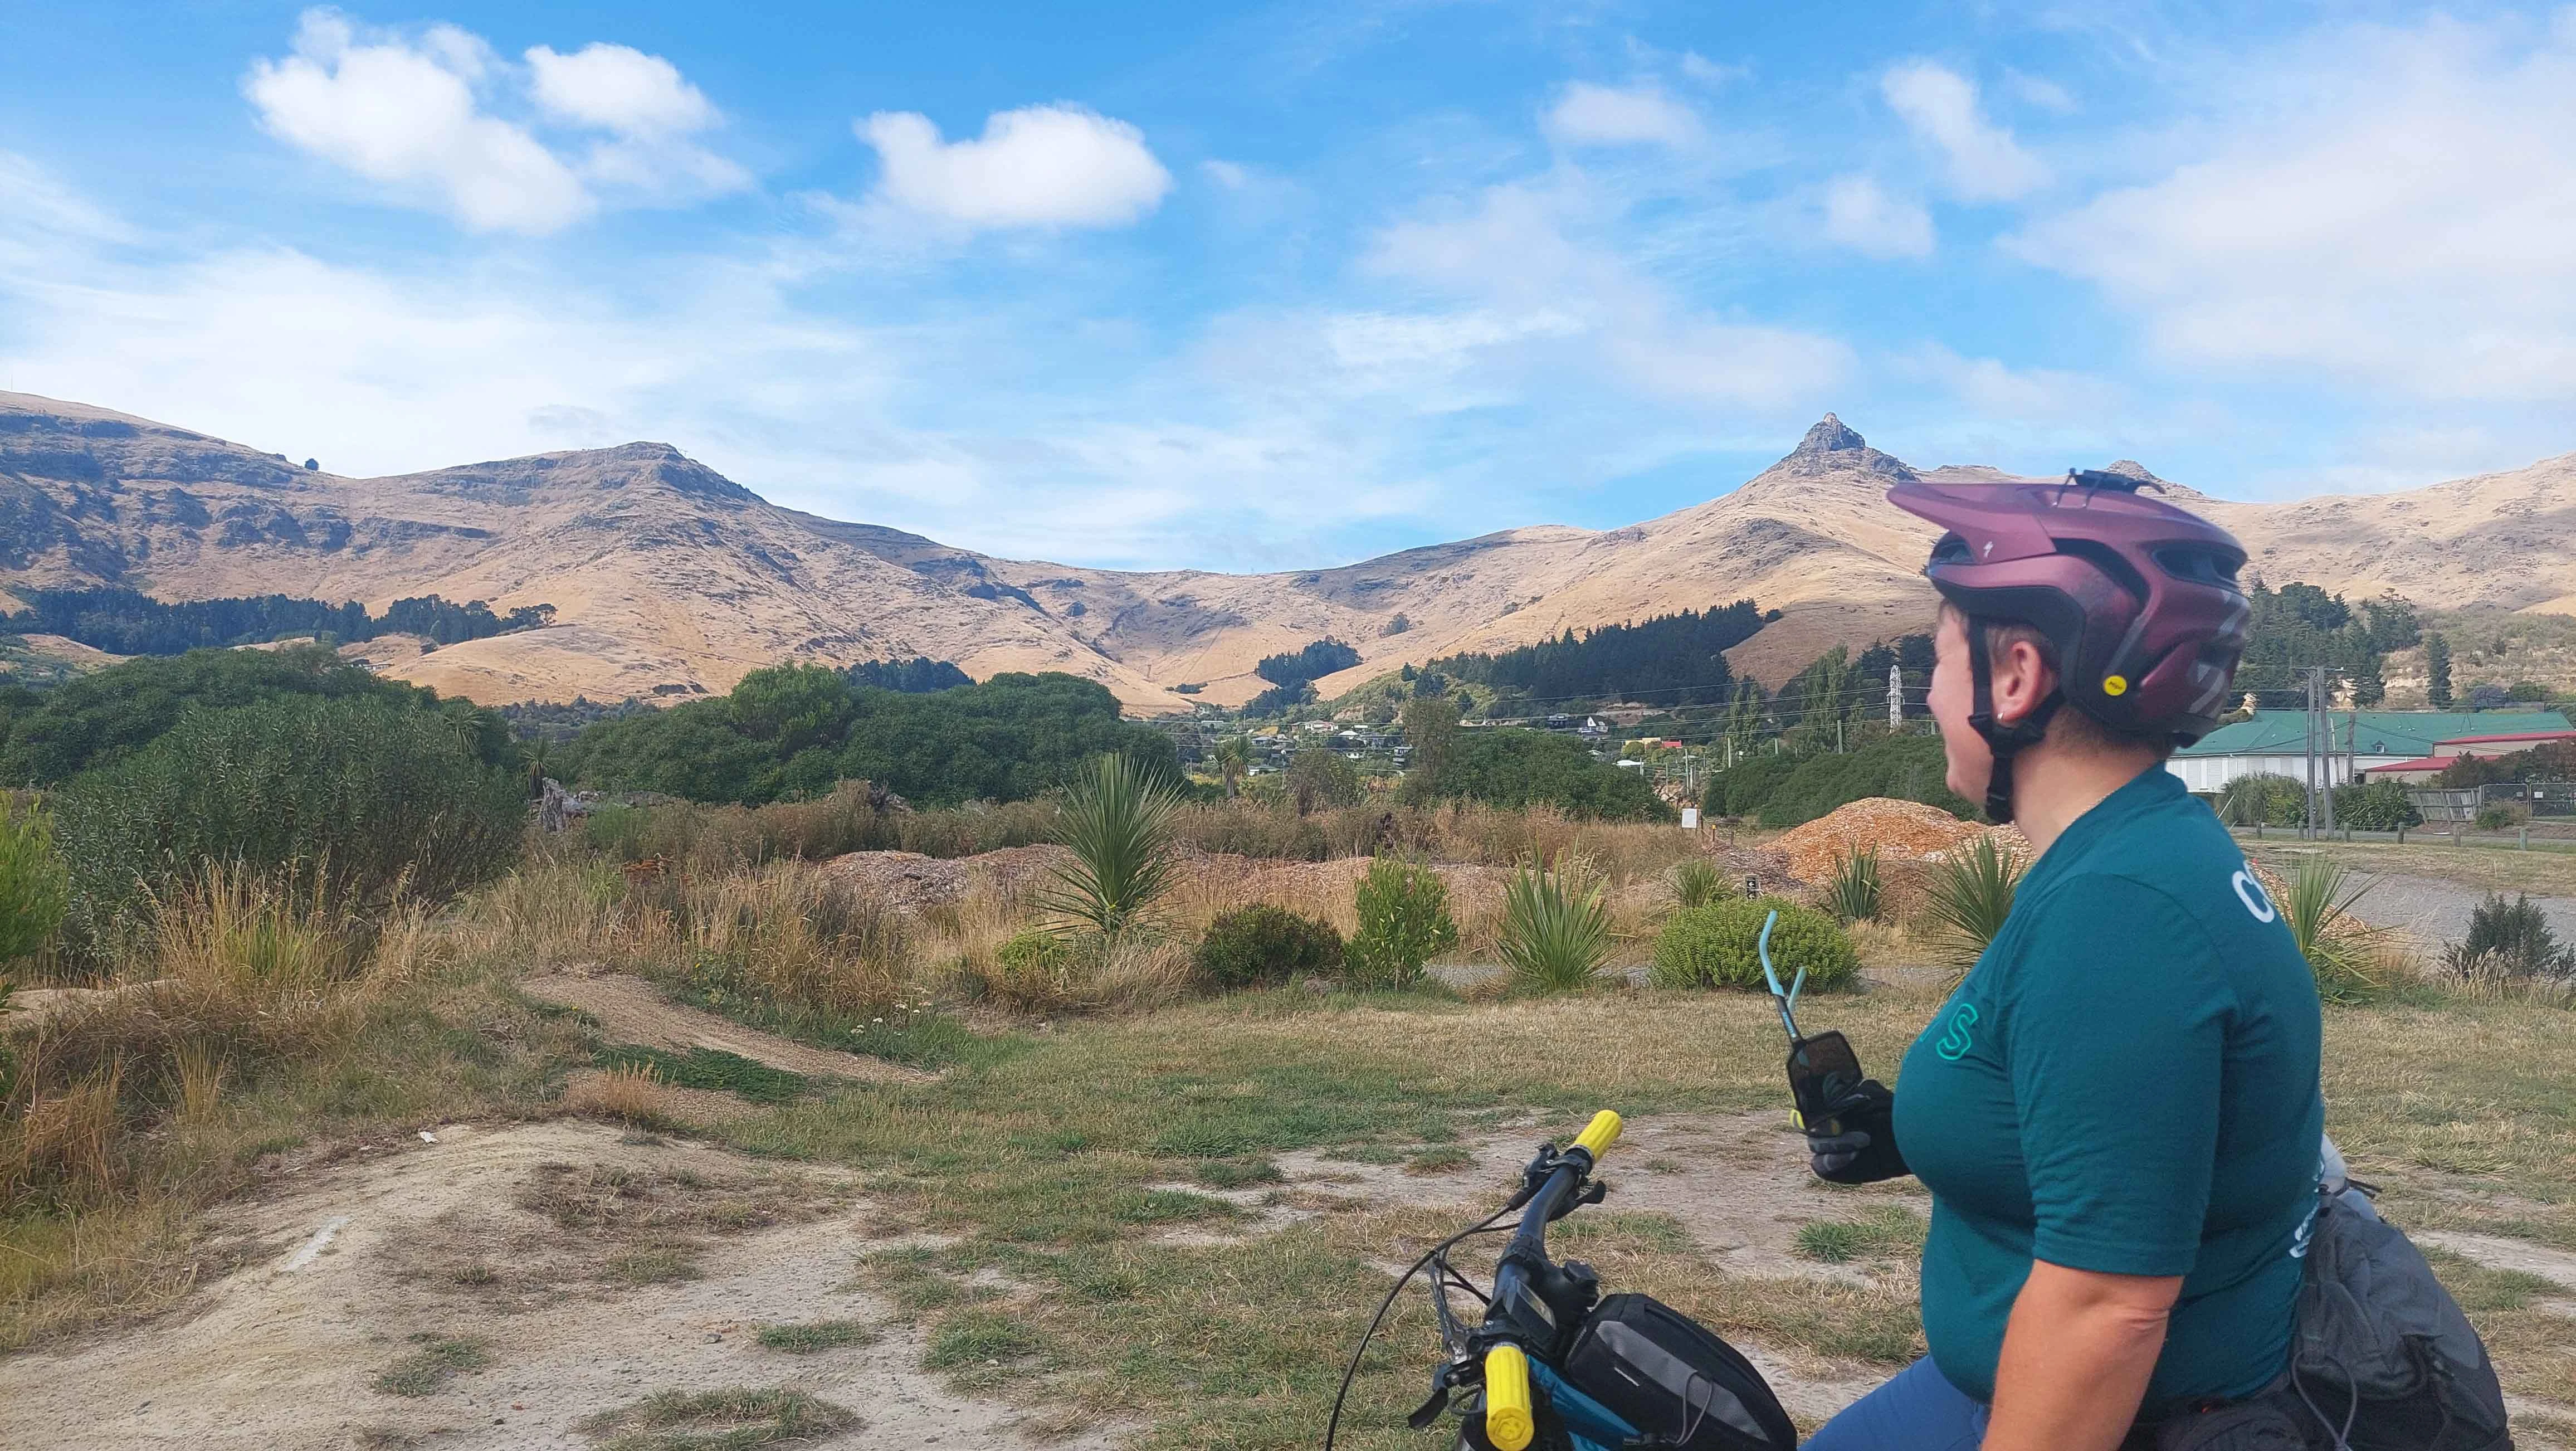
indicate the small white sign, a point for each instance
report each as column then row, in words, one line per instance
column 1690, row 818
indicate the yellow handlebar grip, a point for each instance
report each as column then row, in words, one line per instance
column 1599, row 1135
column 1508, row 1421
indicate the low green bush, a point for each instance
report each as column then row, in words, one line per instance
column 1262, row 945
column 2375, row 806
column 2263, row 799
column 1404, row 923
column 1716, row 945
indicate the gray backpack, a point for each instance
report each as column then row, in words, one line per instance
column 2384, row 1359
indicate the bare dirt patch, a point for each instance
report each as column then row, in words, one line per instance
column 912, row 882
column 287, row 1352
column 631, row 1011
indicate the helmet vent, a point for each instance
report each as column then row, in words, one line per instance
column 2197, row 566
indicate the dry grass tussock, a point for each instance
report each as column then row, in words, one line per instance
column 237, row 971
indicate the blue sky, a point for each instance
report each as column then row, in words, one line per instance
column 1269, row 287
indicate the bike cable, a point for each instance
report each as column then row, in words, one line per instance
column 1332, row 1427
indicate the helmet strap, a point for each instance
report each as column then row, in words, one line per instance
column 2004, row 742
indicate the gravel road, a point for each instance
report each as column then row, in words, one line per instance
column 2437, row 911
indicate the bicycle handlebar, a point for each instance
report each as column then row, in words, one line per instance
column 1509, row 1421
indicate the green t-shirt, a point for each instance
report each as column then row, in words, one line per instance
column 2126, row 1082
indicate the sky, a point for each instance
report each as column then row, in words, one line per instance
column 1261, row 287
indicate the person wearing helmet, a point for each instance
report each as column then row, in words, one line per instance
column 2117, row 1110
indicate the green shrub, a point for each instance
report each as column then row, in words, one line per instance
column 2500, row 818
column 1718, row 945
column 1852, row 894
column 103, row 718
column 2375, row 806
column 1697, row 882
column 1556, row 930
column 1263, row 945
column 2511, row 940
column 792, row 731
column 1906, row 767
column 35, row 890
column 2263, row 799
column 1512, row 768
column 1740, row 789
column 1404, row 923
column 362, row 798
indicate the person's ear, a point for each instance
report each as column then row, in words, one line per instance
column 2021, row 681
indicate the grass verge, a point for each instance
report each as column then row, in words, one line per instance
column 736, row 1419
column 440, row 1359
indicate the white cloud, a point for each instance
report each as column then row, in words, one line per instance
column 2393, row 205
column 405, row 114
column 1039, row 166
column 1996, row 392
column 1861, row 215
column 1700, row 70
column 1591, row 115
column 2040, row 91
column 411, row 113
column 1982, row 160
column 1546, row 254
column 617, row 88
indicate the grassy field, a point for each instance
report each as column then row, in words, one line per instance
column 2491, row 867
column 1095, row 1219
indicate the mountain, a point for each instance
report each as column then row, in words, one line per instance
column 669, row 579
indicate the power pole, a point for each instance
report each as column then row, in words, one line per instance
column 1895, row 698
column 2306, row 829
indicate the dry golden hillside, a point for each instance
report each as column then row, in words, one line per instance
column 670, row 580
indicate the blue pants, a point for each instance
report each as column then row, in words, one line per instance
column 1918, row 1410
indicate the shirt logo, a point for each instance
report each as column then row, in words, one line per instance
column 2299, row 1240
column 1955, row 1042
column 2251, row 893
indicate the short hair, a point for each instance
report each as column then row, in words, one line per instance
column 2072, row 725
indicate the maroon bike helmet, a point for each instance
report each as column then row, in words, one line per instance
column 2138, row 598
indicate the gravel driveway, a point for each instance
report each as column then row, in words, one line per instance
column 2437, row 911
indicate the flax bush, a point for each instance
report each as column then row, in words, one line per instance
column 1556, row 930
column 1970, row 895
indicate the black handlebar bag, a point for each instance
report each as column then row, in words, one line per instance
column 1679, row 1385
column 2383, row 1348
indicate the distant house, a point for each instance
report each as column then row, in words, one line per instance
column 2424, row 768
column 2275, row 742
column 1592, row 727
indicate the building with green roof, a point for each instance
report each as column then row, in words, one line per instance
column 2276, row 741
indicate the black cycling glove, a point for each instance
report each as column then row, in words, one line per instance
column 1864, row 1152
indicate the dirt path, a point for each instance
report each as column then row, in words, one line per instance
column 631, row 1011
column 363, row 1258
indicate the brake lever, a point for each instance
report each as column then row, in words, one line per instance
column 1430, row 1410
column 1591, row 1193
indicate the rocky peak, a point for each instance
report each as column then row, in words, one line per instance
column 1830, row 435
column 2129, row 468
column 1832, row 446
